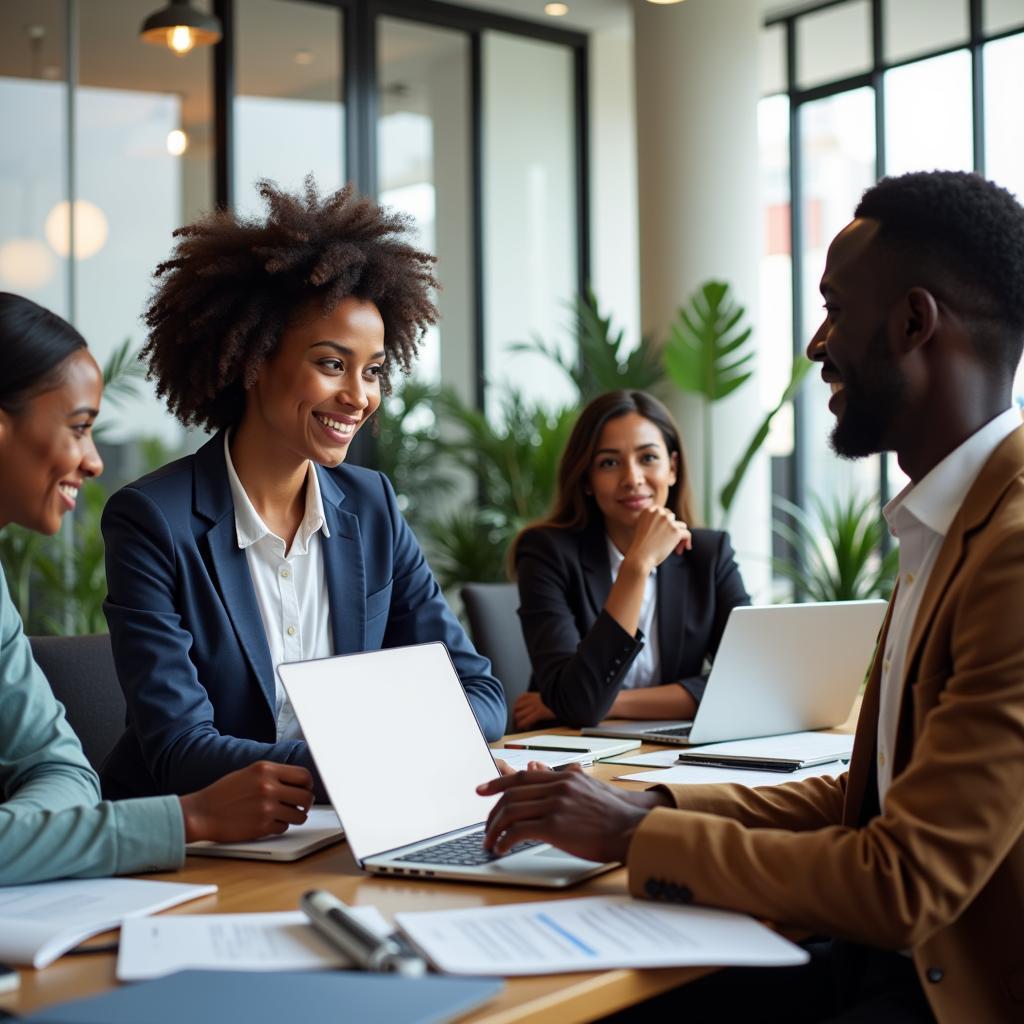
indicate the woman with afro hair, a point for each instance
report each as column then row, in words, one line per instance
column 278, row 335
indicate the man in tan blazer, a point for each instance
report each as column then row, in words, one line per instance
column 913, row 861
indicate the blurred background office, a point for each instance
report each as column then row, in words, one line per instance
column 582, row 170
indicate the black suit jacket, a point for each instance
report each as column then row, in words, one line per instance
column 580, row 654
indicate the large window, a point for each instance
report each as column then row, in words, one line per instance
column 865, row 100
column 424, row 105
column 424, row 168
column 529, row 210
column 289, row 117
column 109, row 148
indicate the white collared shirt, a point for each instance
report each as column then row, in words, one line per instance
column 290, row 586
column 920, row 516
column 645, row 669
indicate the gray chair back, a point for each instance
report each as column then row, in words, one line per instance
column 81, row 673
column 492, row 610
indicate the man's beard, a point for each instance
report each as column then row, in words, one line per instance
column 872, row 401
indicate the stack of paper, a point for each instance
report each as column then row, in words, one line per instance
column 40, row 922
column 589, row 934
column 155, row 946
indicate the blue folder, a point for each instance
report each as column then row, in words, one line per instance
column 277, row 997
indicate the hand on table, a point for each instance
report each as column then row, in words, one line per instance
column 568, row 809
column 529, row 710
column 261, row 799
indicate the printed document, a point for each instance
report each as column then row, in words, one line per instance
column 40, row 922
column 592, row 933
column 155, row 946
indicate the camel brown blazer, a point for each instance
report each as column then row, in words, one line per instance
column 941, row 870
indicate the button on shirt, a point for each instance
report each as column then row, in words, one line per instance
column 645, row 668
column 920, row 517
column 290, row 586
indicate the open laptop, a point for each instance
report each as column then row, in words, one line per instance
column 400, row 754
column 779, row 668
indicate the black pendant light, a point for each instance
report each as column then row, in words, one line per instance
column 180, row 27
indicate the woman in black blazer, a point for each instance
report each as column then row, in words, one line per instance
column 622, row 602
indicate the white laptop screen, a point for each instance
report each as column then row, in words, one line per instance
column 395, row 741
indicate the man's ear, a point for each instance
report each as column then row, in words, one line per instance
column 920, row 319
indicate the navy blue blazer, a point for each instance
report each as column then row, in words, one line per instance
column 191, row 653
column 580, row 654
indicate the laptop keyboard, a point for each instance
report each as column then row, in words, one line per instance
column 463, row 851
column 676, row 730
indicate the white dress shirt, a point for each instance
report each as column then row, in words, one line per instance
column 645, row 668
column 290, row 586
column 919, row 517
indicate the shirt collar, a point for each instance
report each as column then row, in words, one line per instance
column 936, row 498
column 249, row 525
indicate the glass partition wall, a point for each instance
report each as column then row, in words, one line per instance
column 854, row 90
column 406, row 98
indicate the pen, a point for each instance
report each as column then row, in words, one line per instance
column 343, row 930
column 754, row 763
column 747, row 763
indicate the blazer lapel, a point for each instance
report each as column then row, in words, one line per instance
column 672, row 590
column 597, row 573
column 344, row 569
column 228, row 563
column 1002, row 467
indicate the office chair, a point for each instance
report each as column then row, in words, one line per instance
column 492, row 610
column 81, row 673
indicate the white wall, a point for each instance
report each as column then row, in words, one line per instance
column 697, row 90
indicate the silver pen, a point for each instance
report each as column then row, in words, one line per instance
column 367, row 950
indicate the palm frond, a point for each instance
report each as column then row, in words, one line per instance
column 838, row 548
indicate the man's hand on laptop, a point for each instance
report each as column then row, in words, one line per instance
column 568, row 809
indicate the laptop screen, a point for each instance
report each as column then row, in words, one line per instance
column 395, row 741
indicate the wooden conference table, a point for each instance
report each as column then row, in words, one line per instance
column 250, row 886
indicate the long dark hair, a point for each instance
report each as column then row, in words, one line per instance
column 573, row 509
column 33, row 344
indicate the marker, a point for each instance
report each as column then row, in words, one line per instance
column 345, row 932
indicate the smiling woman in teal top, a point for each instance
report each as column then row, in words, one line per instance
column 52, row 821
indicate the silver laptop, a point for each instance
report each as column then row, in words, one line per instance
column 400, row 754
column 779, row 668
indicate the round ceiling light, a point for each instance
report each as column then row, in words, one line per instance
column 91, row 229
column 180, row 27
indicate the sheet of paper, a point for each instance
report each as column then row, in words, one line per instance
column 153, row 947
column 520, row 759
column 592, row 933
column 799, row 746
column 39, row 922
column 695, row 775
column 319, row 829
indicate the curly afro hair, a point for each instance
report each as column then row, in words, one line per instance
column 233, row 285
column 962, row 237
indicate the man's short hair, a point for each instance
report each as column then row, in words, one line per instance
column 962, row 237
